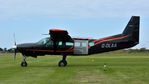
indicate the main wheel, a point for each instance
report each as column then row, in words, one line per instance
column 24, row 64
column 62, row 63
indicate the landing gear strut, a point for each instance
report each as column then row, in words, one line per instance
column 24, row 63
column 63, row 62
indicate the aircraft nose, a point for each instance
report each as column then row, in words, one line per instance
column 26, row 45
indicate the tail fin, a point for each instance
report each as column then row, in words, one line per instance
column 132, row 29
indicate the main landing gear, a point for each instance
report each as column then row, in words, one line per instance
column 63, row 62
column 24, row 63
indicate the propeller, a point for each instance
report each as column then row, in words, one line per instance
column 15, row 47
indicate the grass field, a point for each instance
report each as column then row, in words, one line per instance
column 122, row 68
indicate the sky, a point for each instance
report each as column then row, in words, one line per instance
column 29, row 19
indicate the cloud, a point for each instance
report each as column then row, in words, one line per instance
column 10, row 9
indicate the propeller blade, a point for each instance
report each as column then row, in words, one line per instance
column 14, row 39
column 15, row 46
column 15, row 54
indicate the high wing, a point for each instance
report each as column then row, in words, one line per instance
column 60, row 35
column 57, row 35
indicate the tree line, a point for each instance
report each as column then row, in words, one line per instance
column 5, row 50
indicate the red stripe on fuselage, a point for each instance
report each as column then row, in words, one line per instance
column 103, row 39
column 109, row 39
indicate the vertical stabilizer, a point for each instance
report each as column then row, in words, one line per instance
column 132, row 29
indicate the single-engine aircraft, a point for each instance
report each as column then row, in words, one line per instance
column 61, row 43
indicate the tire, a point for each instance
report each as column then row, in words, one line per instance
column 24, row 64
column 62, row 63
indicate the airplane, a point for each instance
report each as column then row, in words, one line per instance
column 61, row 43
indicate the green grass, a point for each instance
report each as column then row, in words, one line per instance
column 122, row 68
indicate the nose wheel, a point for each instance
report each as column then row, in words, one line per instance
column 63, row 62
column 24, row 63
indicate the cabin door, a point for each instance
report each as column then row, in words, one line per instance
column 81, row 47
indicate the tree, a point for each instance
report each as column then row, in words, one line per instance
column 1, row 49
column 5, row 50
column 10, row 50
column 142, row 49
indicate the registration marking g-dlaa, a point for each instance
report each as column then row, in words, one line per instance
column 109, row 45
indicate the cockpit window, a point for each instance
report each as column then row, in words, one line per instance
column 48, row 42
column 45, row 41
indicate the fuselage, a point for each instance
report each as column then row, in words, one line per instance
column 79, row 46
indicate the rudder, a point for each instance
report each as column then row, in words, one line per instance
column 132, row 29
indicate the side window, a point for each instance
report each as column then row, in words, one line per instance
column 69, row 44
column 64, row 44
column 60, row 43
column 91, row 44
column 77, row 44
column 84, row 44
column 49, row 43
